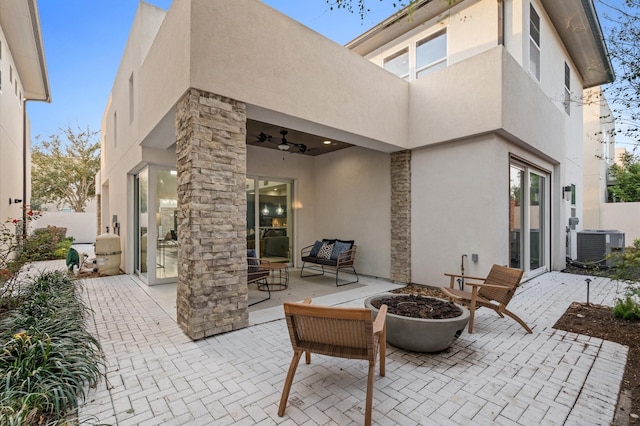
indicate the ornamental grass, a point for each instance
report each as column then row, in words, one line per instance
column 48, row 359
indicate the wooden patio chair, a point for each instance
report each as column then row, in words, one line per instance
column 495, row 292
column 335, row 331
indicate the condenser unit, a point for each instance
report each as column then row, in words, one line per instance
column 595, row 245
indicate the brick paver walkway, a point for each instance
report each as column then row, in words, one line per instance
column 497, row 375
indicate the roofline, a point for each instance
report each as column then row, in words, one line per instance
column 37, row 36
column 601, row 44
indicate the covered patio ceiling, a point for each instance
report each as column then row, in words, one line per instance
column 269, row 136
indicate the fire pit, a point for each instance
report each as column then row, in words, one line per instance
column 418, row 323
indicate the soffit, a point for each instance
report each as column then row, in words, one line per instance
column 21, row 26
column 578, row 26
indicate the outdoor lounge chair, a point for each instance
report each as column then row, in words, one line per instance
column 494, row 292
column 335, row 331
column 258, row 271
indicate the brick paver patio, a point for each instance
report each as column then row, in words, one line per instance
column 497, row 375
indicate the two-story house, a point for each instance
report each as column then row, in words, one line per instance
column 441, row 139
column 23, row 77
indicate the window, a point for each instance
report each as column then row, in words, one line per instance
column 398, row 63
column 0, row 66
column 567, row 89
column 131, row 98
column 10, row 75
column 534, row 43
column 431, row 53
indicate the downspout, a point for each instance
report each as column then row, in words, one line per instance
column 500, row 23
column 24, row 169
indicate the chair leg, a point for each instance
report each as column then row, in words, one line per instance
column 383, row 350
column 472, row 314
column 517, row 318
column 288, row 381
column 369, row 404
column 350, row 282
column 307, row 357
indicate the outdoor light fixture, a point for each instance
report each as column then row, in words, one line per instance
column 14, row 201
column 567, row 192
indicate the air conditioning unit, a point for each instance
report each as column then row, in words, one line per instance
column 595, row 244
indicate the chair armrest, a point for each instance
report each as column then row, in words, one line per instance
column 378, row 324
column 466, row 277
column 306, row 250
column 348, row 256
column 486, row 285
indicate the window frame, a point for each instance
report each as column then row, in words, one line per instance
column 395, row 55
column 433, row 64
column 567, row 89
column 534, row 43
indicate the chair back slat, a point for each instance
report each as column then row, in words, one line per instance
column 507, row 278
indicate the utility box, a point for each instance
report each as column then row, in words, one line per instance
column 594, row 245
column 108, row 254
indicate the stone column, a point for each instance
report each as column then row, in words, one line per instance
column 401, row 216
column 212, row 265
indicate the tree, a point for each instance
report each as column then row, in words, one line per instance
column 623, row 42
column 627, row 176
column 64, row 173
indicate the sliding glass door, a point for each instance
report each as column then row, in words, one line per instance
column 156, row 225
column 269, row 219
column 529, row 214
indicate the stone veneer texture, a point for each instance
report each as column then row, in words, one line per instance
column 211, row 162
column 401, row 216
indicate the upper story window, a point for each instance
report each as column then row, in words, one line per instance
column 431, row 53
column 567, row 89
column 398, row 63
column 534, row 42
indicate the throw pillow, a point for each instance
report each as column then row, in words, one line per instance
column 325, row 251
column 252, row 261
column 339, row 247
column 315, row 249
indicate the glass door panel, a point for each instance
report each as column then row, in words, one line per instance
column 529, row 214
column 166, row 215
column 269, row 219
column 141, row 222
column 536, row 221
column 516, row 218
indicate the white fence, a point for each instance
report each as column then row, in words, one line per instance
column 624, row 217
column 80, row 226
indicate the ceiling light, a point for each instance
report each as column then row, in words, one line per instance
column 283, row 147
column 327, row 142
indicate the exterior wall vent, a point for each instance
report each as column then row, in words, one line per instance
column 595, row 244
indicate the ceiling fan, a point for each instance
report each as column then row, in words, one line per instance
column 284, row 144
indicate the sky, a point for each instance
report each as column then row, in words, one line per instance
column 84, row 41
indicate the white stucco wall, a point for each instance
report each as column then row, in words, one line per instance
column 622, row 217
column 10, row 137
column 80, row 226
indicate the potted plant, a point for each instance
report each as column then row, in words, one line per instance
column 419, row 323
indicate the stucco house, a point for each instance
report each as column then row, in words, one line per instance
column 441, row 138
column 23, row 77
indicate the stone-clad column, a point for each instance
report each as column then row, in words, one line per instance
column 401, row 216
column 212, row 265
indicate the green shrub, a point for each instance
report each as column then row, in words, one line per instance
column 627, row 308
column 626, row 263
column 45, row 244
column 47, row 359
